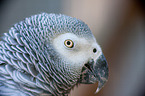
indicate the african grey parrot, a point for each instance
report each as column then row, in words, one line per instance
column 48, row 54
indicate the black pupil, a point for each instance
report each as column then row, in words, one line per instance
column 68, row 42
column 94, row 50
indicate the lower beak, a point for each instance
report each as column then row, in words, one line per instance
column 95, row 71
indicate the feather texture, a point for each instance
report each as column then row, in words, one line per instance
column 27, row 58
column 32, row 65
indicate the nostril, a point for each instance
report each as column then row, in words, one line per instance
column 94, row 50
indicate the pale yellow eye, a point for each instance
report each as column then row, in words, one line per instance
column 69, row 43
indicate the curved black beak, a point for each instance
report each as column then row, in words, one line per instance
column 95, row 71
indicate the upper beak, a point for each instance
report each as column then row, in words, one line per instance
column 95, row 71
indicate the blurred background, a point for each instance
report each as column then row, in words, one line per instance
column 119, row 27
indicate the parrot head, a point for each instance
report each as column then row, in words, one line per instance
column 82, row 57
column 48, row 54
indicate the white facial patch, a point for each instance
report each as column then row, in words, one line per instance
column 80, row 53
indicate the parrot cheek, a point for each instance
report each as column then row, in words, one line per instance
column 95, row 71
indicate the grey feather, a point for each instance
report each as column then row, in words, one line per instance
column 29, row 65
column 24, row 54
